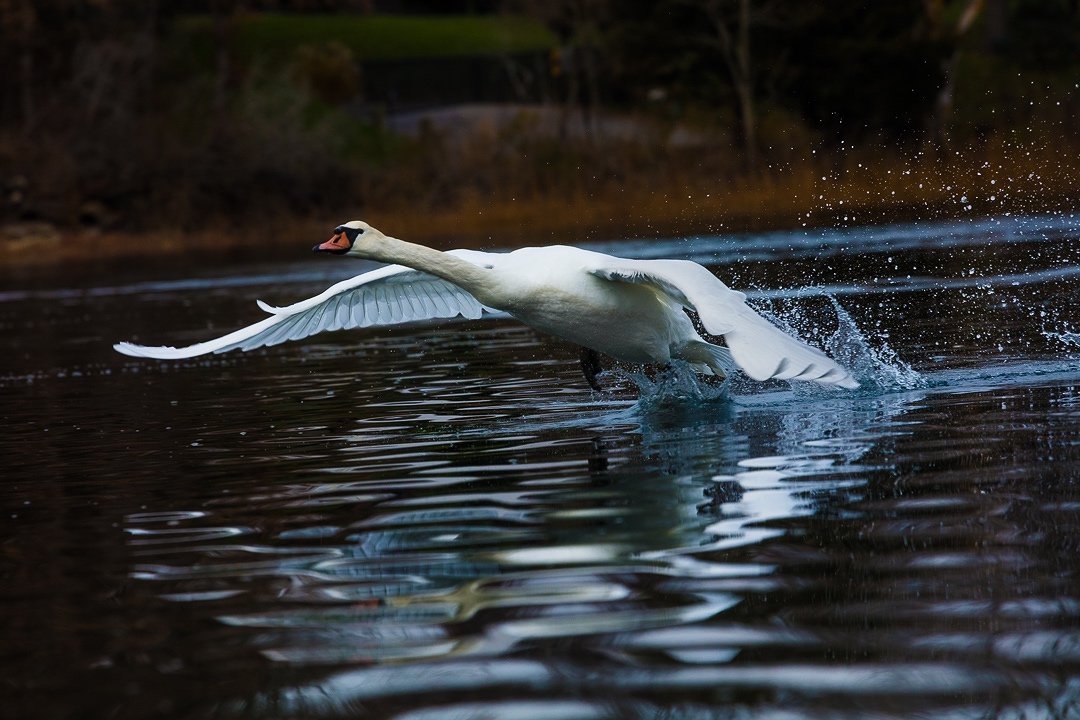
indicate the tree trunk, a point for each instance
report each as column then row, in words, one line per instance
column 943, row 105
column 26, row 64
column 224, row 12
column 735, row 48
column 744, row 89
column 748, row 126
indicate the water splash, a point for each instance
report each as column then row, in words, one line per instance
column 678, row 382
column 1069, row 338
column 877, row 367
column 874, row 364
column 1066, row 337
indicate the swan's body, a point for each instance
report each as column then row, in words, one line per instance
column 631, row 310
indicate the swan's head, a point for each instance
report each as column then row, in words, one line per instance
column 355, row 237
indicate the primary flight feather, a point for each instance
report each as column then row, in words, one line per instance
column 631, row 310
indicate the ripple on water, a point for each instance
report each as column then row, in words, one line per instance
column 440, row 559
column 444, row 520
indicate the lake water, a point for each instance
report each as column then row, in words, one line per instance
column 444, row 521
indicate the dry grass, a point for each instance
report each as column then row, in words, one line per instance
column 866, row 186
column 855, row 189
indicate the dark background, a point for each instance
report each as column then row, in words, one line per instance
column 147, row 115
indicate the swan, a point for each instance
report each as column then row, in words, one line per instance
column 630, row 310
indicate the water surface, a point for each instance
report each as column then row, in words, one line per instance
column 444, row 521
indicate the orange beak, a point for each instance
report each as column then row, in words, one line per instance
column 337, row 244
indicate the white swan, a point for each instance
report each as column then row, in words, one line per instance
column 631, row 310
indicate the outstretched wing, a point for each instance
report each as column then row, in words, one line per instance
column 759, row 348
column 388, row 296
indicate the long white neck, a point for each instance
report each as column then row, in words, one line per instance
column 480, row 282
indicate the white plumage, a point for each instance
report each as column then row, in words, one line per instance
column 631, row 310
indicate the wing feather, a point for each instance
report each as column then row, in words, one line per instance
column 371, row 308
column 437, row 299
column 342, row 313
column 389, row 295
column 415, row 307
column 397, row 311
column 393, row 301
column 283, row 332
column 310, row 325
column 760, row 349
column 450, row 298
column 356, row 309
column 429, row 299
column 329, row 316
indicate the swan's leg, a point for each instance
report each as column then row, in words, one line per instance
column 590, row 367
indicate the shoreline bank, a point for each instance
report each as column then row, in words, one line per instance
column 494, row 224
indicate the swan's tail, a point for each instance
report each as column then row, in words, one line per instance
column 764, row 352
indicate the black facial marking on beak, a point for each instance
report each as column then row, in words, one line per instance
column 341, row 241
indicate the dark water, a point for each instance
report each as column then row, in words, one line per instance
column 443, row 521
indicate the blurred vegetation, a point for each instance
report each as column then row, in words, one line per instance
column 148, row 114
column 274, row 37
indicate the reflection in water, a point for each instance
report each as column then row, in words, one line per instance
column 438, row 523
column 614, row 554
column 656, row 555
column 677, row 547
